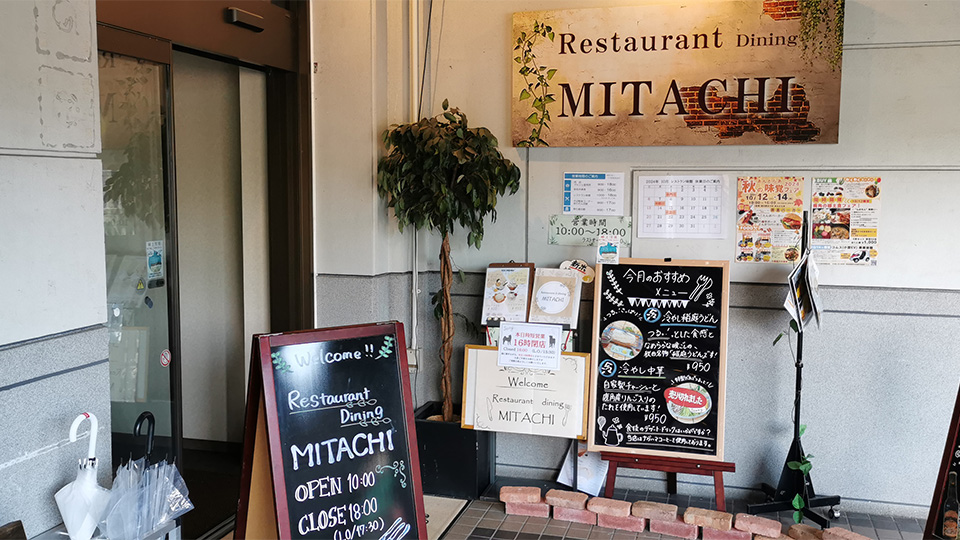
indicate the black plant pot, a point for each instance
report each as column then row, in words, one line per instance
column 454, row 462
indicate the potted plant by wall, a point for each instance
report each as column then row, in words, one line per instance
column 439, row 173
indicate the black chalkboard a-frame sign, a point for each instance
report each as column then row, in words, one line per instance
column 330, row 449
column 659, row 358
column 949, row 462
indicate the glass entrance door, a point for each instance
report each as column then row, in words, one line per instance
column 134, row 94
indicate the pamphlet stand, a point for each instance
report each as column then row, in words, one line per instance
column 671, row 466
column 792, row 481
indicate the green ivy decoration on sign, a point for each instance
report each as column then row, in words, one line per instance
column 821, row 29
column 386, row 348
column 537, row 79
column 280, row 364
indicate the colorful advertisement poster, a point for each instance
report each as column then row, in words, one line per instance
column 505, row 295
column 769, row 218
column 845, row 220
column 535, row 346
column 154, row 260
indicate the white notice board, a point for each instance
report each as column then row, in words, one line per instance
column 524, row 400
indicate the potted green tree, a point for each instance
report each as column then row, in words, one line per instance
column 439, row 173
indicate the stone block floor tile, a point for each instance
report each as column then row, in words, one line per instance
column 486, row 520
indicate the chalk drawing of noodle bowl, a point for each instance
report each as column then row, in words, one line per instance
column 622, row 340
column 688, row 402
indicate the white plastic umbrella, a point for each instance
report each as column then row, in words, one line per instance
column 83, row 501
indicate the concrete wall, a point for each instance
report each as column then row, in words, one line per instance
column 53, row 349
column 888, row 350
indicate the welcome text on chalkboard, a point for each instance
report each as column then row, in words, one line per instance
column 339, row 421
column 659, row 353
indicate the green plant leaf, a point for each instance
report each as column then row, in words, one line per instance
column 532, row 118
column 778, row 338
column 551, row 73
column 793, row 326
column 798, row 502
column 803, row 429
column 794, row 465
column 797, row 516
column 524, row 94
column 446, row 104
column 805, row 468
column 550, row 34
column 808, row 456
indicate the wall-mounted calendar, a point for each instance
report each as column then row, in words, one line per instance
column 679, row 206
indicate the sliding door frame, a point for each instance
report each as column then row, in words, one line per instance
column 281, row 50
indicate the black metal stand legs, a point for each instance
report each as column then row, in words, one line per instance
column 793, row 481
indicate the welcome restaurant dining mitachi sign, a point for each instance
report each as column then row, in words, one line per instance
column 692, row 73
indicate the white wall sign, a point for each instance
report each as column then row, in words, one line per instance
column 578, row 230
column 524, row 400
column 680, row 206
column 529, row 345
column 556, row 297
column 593, row 193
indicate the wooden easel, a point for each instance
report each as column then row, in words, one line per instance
column 267, row 499
column 671, row 466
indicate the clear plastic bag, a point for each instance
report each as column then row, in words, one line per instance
column 145, row 498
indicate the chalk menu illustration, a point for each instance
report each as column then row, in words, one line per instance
column 659, row 351
column 344, row 440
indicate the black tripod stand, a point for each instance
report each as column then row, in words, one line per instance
column 794, row 481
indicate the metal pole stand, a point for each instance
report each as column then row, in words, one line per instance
column 793, row 481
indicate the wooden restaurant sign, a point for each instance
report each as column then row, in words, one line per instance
column 673, row 73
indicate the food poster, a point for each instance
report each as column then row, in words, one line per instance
column 556, row 297
column 659, row 343
column 510, row 399
column 769, row 219
column 846, row 218
column 505, row 295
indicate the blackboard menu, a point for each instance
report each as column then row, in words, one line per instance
column 944, row 502
column 659, row 353
column 339, row 414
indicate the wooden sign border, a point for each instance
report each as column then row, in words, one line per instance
column 929, row 530
column 467, row 381
column 260, row 425
column 592, row 446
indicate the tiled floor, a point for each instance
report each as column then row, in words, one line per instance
column 486, row 520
